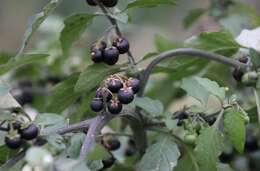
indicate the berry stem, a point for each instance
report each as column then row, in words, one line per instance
column 118, row 31
column 188, row 52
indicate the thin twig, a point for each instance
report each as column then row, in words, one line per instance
column 187, row 52
column 257, row 104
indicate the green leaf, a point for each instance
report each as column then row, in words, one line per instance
column 149, row 3
column 255, row 58
column 6, row 153
column 193, row 16
column 234, row 125
column 75, row 25
column 201, row 88
column 161, row 156
column 63, row 95
column 153, row 107
column 75, row 145
column 187, row 162
column 221, row 42
column 24, row 59
column 98, row 153
column 7, row 101
column 35, row 22
column 48, row 119
column 208, row 148
column 93, row 75
column 56, row 141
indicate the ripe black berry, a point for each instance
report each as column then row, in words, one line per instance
column 109, row 3
column 97, row 55
column 91, row 2
column 211, row 120
column 103, row 94
column 122, row 45
column 30, row 132
column 114, row 85
column 112, row 144
column 126, row 95
column 97, row 105
column 111, row 55
column 114, row 107
column 13, row 142
column 134, row 84
column 108, row 163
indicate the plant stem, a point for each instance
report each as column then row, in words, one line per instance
column 257, row 104
column 188, row 52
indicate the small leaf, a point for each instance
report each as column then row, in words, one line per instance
column 24, row 59
column 208, row 148
column 161, row 156
column 75, row 25
column 192, row 17
column 201, row 88
column 149, row 3
column 234, row 125
column 35, row 22
column 63, row 95
column 153, row 107
column 93, row 75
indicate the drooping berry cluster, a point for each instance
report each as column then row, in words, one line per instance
column 116, row 91
column 106, row 3
column 101, row 52
column 18, row 133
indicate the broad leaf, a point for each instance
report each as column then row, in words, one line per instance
column 208, row 148
column 192, row 17
column 234, row 125
column 93, row 75
column 201, row 88
column 153, row 107
column 24, row 59
column 149, row 3
column 187, row 162
column 75, row 25
column 63, row 95
column 35, row 22
column 161, row 156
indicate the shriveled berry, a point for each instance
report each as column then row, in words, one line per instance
column 114, row 107
column 108, row 163
column 103, row 94
column 114, row 85
column 111, row 55
column 96, row 105
column 134, row 84
column 13, row 142
column 30, row 132
column 126, row 95
column 91, row 2
column 112, row 144
column 109, row 3
column 97, row 55
column 122, row 45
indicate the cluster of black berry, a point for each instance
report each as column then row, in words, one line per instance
column 106, row 3
column 18, row 133
column 101, row 52
column 116, row 91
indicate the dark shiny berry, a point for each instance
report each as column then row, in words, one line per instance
column 96, row 105
column 126, row 95
column 237, row 74
column 103, row 94
column 91, row 2
column 251, row 144
column 181, row 115
column 111, row 55
column 108, row 163
column 97, row 55
column 114, row 85
column 13, row 142
column 109, row 3
column 122, row 45
column 134, row 84
column 111, row 144
column 114, row 107
column 211, row 120
column 30, row 132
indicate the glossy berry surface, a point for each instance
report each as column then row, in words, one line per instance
column 13, row 143
column 126, row 95
column 111, row 55
column 112, row 144
column 109, row 3
column 96, row 105
column 108, row 163
column 103, row 93
column 91, row 2
column 114, row 85
column 30, row 132
column 134, row 84
column 114, row 107
column 122, row 45
column 97, row 55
